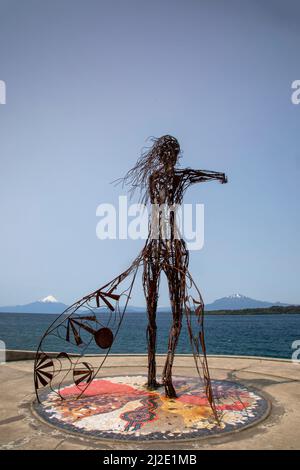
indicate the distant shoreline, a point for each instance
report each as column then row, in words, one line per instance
column 291, row 309
column 274, row 310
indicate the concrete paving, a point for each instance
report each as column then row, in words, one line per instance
column 278, row 380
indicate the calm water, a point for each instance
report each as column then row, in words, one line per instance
column 263, row 335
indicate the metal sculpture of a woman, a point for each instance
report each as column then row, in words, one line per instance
column 163, row 184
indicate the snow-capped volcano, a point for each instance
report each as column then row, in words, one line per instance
column 238, row 302
column 48, row 304
column 49, row 298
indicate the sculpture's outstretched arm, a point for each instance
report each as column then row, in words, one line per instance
column 200, row 176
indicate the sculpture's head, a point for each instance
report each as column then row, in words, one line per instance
column 167, row 149
column 162, row 156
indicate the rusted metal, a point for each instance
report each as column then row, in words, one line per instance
column 104, row 338
column 159, row 181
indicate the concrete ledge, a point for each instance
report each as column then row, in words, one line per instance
column 23, row 355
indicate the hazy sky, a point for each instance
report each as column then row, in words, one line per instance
column 89, row 81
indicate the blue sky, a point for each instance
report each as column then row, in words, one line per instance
column 89, row 81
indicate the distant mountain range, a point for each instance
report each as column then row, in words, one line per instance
column 239, row 302
column 50, row 304
column 47, row 305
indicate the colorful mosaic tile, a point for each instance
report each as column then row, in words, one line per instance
column 122, row 408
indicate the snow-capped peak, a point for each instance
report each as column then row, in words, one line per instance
column 236, row 296
column 49, row 299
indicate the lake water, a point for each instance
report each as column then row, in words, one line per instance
column 252, row 335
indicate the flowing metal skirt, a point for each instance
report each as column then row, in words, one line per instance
column 98, row 316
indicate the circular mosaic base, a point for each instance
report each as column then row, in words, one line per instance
column 122, row 408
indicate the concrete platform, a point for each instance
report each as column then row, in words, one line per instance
column 277, row 380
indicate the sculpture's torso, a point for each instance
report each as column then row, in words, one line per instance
column 165, row 241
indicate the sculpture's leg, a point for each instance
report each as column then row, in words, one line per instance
column 176, row 289
column 151, row 286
